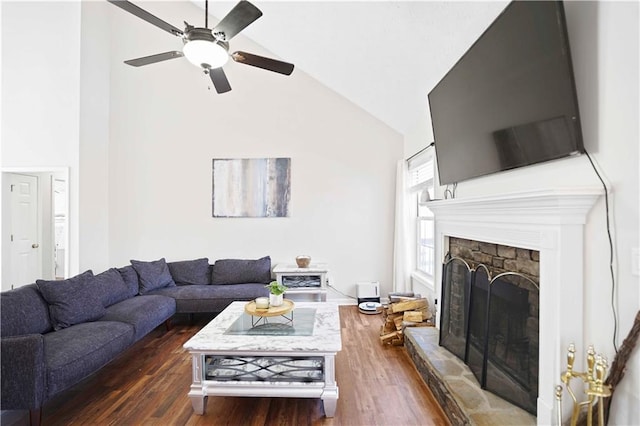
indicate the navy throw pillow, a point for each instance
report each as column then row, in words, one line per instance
column 130, row 277
column 111, row 288
column 71, row 301
column 24, row 311
column 153, row 275
column 241, row 271
column 190, row 271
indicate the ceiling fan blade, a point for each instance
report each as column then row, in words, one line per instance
column 146, row 60
column 143, row 14
column 219, row 80
column 243, row 14
column 262, row 62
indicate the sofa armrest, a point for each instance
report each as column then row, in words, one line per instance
column 23, row 372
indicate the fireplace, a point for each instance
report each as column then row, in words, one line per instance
column 550, row 222
column 489, row 316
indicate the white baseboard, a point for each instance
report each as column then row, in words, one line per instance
column 342, row 300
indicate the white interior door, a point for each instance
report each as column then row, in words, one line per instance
column 26, row 265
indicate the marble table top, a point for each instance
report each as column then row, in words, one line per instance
column 325, row 338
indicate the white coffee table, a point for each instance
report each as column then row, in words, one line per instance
column 295, row 362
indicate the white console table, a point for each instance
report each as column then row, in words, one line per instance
column 303, row 281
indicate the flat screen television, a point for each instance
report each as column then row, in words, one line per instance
column 510, row 101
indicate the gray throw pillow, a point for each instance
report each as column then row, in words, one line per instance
column 153, row 275
column 71, row 301
column 110, row 286
column 241, row 271
column 190, row 271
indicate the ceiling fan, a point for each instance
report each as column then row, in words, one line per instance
column 208, row 48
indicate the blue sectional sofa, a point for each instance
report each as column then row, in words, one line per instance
column 56, row 333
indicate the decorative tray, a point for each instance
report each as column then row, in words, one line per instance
column 272, row 311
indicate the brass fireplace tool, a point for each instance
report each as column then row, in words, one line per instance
column 593, row 378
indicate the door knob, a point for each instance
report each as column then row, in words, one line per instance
column 35, row 245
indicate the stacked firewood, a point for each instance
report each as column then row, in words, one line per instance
column 403, row 311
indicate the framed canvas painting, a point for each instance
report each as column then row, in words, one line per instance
column 251, row 187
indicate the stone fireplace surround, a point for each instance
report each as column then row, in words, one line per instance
column 552, row 222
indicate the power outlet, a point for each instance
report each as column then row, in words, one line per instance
column 635, row 261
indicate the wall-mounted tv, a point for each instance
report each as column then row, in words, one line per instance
column 510, row 101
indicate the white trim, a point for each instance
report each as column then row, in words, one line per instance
column 343, row 301
column 424, row 279
column 552, row 222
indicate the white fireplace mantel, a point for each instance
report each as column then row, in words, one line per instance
column 552, row 222
column 567, row 205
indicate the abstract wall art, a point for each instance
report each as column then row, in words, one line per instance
column 251, row 187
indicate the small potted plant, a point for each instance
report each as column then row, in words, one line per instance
column 276, row 293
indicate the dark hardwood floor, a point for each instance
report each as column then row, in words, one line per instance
column 148, row 385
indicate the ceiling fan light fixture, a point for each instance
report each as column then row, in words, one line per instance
column 205, row 54
column 208, row 48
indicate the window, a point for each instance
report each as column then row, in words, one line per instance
column 421, row 183
column 425, row 248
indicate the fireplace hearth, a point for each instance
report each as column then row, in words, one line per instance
column 455, row 387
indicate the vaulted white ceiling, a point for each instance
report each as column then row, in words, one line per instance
column 384, row 56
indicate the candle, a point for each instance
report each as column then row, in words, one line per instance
column 262, row 303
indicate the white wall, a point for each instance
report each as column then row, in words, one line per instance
column 604, row 41
column 94, row 136
column 40, row 93
column 163, row 140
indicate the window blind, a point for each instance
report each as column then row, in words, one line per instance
column 421, row 174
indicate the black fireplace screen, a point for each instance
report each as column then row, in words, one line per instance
column 491, row 323
column 477, row 337
column 455, row 298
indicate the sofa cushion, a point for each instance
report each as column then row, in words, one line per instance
column 190, row 271
column 130, row 277
column 152, row 275
column 78, row 351
column 110, row 286
column 211, row 298
column 71, row 301
column 239, row 271
column 144, row 313
column 23, row 311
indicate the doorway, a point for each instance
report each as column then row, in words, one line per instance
column 35, row 225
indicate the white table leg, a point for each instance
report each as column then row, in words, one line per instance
column 330, row 406
column 196, row 393
column 199, row 404
column 330, row 391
